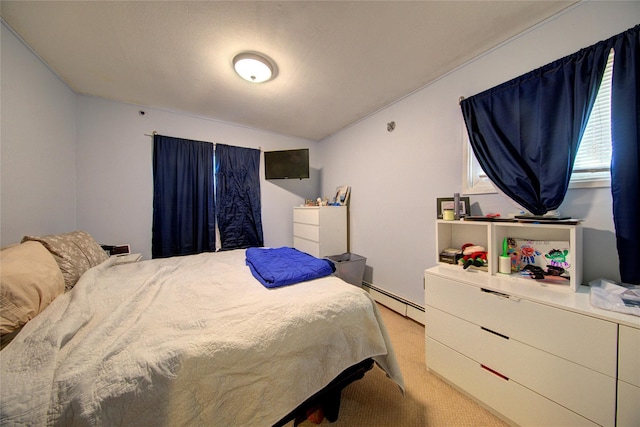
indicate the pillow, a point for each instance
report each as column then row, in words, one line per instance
column 29, row 280
column 75, row 253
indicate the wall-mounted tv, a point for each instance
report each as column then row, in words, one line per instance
column 286, row 164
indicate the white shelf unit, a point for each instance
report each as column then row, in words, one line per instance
column 548, row 232
column 453, row 234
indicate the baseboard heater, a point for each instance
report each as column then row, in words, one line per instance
column 396, row 303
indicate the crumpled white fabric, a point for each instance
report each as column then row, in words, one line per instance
column 608, row 295
column 186, row 341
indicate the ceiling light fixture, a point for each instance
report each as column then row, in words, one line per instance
column 254, row 67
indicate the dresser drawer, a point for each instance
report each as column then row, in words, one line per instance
column 306, row 231
column 515, row 402
column 629, row 356
column 304, row 245
column 583, row 390
column 582, row 339
column 628, row 405
column 307, row 215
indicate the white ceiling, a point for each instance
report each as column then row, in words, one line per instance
column 338, row 61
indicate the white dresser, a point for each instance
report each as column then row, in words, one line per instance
column 320, row 230
column 537, row 354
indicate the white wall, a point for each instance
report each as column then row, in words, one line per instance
column 396, row 177
column 115, row 179
column 76, row 162
column 37, row 146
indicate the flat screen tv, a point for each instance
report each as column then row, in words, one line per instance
column 286, row 164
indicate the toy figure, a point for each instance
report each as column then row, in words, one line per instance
column 473, row 255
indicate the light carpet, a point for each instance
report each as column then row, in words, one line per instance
column 377, row 401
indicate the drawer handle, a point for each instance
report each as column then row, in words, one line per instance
column 494, row 332
column 496, row 293
column 500, row 294
column 496, row 373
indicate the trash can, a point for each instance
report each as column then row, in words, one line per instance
column 349, row 267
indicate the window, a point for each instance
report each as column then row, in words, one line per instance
column 591, row 167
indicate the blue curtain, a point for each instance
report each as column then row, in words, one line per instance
column 183, row 197
column 525, row 134
column 238, row 197
column 625, row 155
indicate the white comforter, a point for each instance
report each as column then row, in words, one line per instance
column 186, row 341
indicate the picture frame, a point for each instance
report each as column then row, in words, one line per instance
column 443, row 203
column 342, row 195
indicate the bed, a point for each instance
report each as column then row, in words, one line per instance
column 193, row 340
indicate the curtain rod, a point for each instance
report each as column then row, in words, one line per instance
column 154, row 133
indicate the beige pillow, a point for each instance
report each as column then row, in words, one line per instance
column 29, row 280
column 75, row 253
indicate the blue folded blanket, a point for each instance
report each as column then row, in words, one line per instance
column 275, row 267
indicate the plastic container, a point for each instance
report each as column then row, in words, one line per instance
column 349, row 267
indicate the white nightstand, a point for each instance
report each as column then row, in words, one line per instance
column 320, row 230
